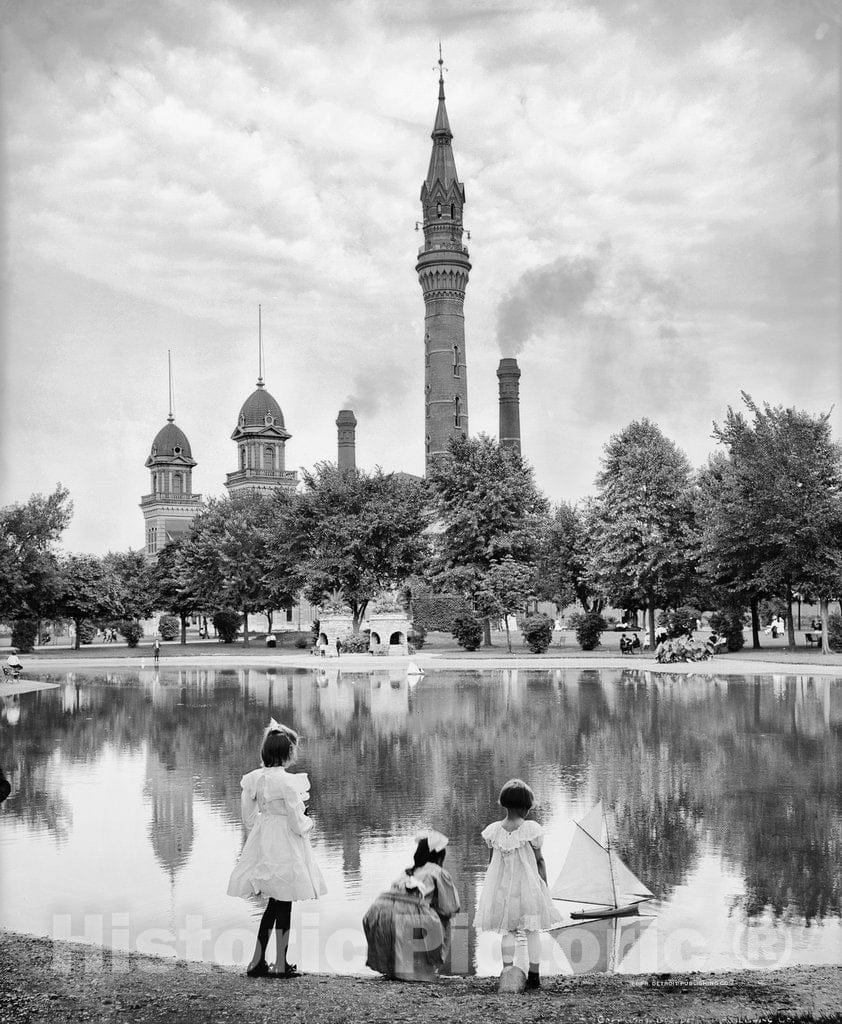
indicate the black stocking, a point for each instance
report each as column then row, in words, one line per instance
column 283, row 917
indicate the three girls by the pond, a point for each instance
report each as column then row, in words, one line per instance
column 407, row 928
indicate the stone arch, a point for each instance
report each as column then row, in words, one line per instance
column 322, row 640
column 397, row 637
column 375, row 637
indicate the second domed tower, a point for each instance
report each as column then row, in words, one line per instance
column 261, row 438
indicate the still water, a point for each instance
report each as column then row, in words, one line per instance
column 724, row 795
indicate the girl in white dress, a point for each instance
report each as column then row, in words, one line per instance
column 515, row 897
column 276, row 860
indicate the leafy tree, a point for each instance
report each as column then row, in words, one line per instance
column 358, row 534
column 133, row 580
column 562, row 558
column 173, row 584
column 29, row 568
column 488, row 510
column 641, row 521
column 781, row 480
column 227, row 558
column 87, row 590
column 508, row 584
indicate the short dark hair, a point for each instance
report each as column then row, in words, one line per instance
column 278, row 746
column 516, row 796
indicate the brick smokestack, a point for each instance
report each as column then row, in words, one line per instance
column 346, row 426
column 508, row 373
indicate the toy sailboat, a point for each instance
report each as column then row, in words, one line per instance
column 594, row 874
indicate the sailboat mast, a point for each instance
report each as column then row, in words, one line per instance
column 610, row 865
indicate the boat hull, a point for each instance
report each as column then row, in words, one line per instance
column 584, row 915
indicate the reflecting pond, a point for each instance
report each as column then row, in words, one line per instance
column 723, row 794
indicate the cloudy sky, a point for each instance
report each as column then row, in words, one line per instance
column 652, row 195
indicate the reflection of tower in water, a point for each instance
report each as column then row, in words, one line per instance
column 170, row 789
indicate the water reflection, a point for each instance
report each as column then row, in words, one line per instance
column 724, row 796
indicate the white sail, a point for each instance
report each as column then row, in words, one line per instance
column 586, row 874
column 626, row 882
column 593, row 873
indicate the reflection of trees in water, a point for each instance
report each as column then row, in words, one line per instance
column 756, row 767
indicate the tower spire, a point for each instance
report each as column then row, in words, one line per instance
column 170, row 417
column 259, row 346
column 443, row 267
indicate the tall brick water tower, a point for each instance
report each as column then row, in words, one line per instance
column 443, row 268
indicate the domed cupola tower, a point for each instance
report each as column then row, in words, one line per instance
column 261, row 437
column 171, row 506
column 443, row 268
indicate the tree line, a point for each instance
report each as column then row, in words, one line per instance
column 761, row 520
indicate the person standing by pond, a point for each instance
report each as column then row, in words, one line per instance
column 515, row 897
column 408, row 928
column 156, row 650
column 276, row 860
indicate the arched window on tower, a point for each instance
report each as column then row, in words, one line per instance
column 455, row 360
column 269, row 459
column 242, row 456
column 453, row 211
column 438, row 209
column 428, row 444
column 457, row 410
column 176, row 483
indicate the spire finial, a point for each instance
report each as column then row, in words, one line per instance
column 259, row 347
column 441, row 74
column 170, row 417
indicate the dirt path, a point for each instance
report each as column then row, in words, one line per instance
column 43, row 981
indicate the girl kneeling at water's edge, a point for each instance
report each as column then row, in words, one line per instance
column 408, row 927
column 276, row 860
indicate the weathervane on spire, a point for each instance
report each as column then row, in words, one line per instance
column 170, row 417
column 442, row 68
column 259, row 347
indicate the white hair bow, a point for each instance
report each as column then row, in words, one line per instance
column 436, row 841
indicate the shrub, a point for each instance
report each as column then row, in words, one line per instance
column 537, row 633
column 131, row 631
column 354, row 643
column 588, row 630
column 467, row 632
column 680, row 621
column 417, row 636
column 438, row 611
column 729, row 622
column 24, row 634
column 87, row 631
column 834, row 632
column 573, row 620
column 302, row 643
column 226, row 623
column 169, row 627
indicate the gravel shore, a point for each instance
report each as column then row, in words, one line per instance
column 42, row 980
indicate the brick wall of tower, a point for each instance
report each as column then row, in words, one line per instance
column 443, row 275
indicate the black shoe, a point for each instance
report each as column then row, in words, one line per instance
column 533, row 980
column 260, row 970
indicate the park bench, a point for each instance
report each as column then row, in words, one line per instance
column 813, row 638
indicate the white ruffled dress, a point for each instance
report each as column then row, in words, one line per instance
column 514, row 896
column 276, row 859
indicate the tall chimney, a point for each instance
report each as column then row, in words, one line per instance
column 346, row 426
column 508, row 373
